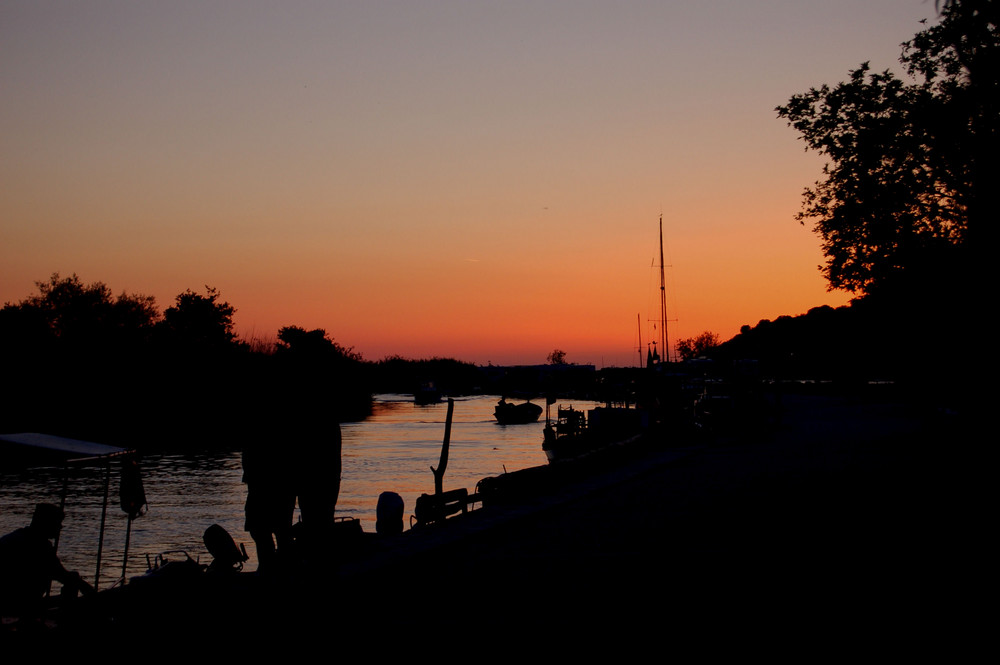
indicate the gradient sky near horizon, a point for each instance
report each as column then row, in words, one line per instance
column 479, row 180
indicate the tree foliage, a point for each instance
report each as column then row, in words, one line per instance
column 313, row 344
column 907, row 182
column 67, row 312
column 198, row 321
column 557, row 357
column 84, row 363
column 694, row 347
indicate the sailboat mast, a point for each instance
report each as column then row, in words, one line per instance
column 638, row 323
column 663, row 301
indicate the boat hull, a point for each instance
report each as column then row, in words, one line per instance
column 517, row 414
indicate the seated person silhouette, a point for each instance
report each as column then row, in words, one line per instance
column 28, row 565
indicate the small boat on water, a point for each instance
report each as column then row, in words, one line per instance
column 426, row 394
column 508, row 413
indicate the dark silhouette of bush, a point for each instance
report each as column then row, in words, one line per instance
column 403, row 375
column 68, row 315
column 334, row 378
column 199, row 323
column 71, row 352
column 313, row 344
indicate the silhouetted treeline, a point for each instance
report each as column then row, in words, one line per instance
column 558, row 379
column 84, row 363
column 454, row 377
column 906, row 212
column 896, row 339
column 395, row 374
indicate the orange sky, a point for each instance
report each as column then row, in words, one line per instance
column 465, row 179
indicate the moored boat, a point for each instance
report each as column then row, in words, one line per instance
column 577, row 433
column 508, row 413
column 427, row 394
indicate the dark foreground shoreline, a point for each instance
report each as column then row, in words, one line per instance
column 834, row 521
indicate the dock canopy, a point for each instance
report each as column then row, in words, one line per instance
column 35, row 448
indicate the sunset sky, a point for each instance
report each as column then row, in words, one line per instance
column 479, row 180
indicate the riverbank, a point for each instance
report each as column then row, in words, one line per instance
column 829, row 509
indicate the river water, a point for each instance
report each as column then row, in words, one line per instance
column 391, row 450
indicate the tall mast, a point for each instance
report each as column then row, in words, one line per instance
column 638, row 323
column 663, row 302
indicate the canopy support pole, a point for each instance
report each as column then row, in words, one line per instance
column 104, row 517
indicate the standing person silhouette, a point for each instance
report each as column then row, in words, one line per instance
column 318, row 470
column 270, row 500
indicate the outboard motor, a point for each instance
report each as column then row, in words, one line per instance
column 389, row 513
column 226, row 556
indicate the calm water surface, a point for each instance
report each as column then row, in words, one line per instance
column 391, row 450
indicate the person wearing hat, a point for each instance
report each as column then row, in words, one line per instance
column 28, row 564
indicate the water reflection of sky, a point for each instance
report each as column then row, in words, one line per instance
column 392, row 450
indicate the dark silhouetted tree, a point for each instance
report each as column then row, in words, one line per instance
column 557, row 357
column 316, row 373
column 69, row 352
column 910, row 179
column 694, row 347
column 202, row 322
column 312, row 343
column 78, row 316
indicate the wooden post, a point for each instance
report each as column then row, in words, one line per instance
column 443, row 464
